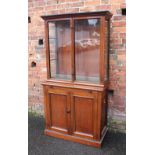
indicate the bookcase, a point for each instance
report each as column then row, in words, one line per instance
column 75, row 92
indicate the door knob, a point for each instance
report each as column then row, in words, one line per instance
column 68, row 111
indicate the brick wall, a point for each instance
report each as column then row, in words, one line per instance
column 37, row 62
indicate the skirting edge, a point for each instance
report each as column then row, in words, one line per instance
column 80, row 140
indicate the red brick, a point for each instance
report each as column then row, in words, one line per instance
column 92, row 2
column 76, row 4
column 51, row 2
column 63, row 6
column 123, row 35
column 61, row 1
column 119, row 29
column 116, row 41
column 114, row 35
column 103, row 7
column 72, row 10
column 123, row 5
column 72, row 0
column 121, row 57
column 115, row 18
column 50, row 8
column 124, row 41
column 119, row 24
column 117, row 1
column 87, row 9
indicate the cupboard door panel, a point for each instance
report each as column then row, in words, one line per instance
column 83, row 115
column 58, row 111
column 58, row 107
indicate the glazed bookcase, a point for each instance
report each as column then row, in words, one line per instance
column 75, row 92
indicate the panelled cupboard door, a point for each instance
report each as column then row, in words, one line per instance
column 58, row 103
column 83, row 114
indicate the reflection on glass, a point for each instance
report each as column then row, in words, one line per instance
column 87, row 47
column 59, row 45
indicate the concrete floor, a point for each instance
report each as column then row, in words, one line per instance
column 39, row 144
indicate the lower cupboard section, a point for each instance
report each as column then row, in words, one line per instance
column 75, row 115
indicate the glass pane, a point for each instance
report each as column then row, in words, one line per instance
column 59, row 45
column 87, row 49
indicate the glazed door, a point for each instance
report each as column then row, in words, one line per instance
column 87, row 49
column 83, row 117
column 58, row 103
column 76, row 49
column 60, row 49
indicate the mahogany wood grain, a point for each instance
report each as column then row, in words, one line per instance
column 102, row 29
column 72, row 49
column 83, row 124
column 58, row 108
column 47, row 49
column 46, row 108
column 107, row 14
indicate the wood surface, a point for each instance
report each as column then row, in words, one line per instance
column 76, row 107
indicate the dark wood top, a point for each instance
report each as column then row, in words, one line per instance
column 80, row 14
column 76, row 85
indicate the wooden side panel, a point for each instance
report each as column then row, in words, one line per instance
column 106, row 107
column 104, row 103
column 102, row 111
column 46, row 108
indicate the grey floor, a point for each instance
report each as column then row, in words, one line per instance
column 39, row 144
